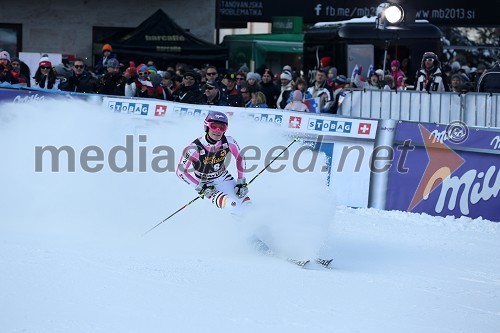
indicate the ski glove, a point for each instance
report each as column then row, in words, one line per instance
column 206, row 190
column 241, row 188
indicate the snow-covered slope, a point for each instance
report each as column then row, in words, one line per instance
column 73, row 257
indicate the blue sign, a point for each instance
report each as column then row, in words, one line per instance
column 324, row 125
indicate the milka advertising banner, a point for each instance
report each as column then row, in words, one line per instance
column 9, row 95
column 445, row 170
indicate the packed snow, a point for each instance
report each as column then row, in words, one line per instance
column 74, row 256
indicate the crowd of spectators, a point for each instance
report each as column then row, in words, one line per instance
column 242, row 87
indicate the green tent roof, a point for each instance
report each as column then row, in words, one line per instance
column 283, row 43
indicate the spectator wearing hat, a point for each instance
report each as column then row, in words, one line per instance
column 253, row 80
column 456, row 83
column 81, row 80
column 320, row 89
column 141, row 86
column 232, row 94
column 397, row 74
column 430, row 77
column 213, row 94
column 490, row 80
column 189, row 90
column 106, row 54
column 331, row 76
column 113, row 82
column 45, row 76
column 297, row 104
column 271, row 90
column 19, row 68
column 244, row 70
column 285, row 89
column 6, row 73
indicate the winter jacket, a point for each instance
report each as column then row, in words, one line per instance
column 218, row 100
column 188, row 94
column 434, row 80
column 490, row 80
column 84, row 83
column 271, row 91
column 112, row 84
column 285, row 93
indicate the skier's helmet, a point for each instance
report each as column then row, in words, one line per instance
column 215, row 116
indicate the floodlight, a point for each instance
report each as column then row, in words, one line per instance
column 389, row 15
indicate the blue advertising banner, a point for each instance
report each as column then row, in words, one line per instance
column 445, row 170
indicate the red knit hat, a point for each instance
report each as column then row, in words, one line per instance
column 44, row 62
column 107, row 47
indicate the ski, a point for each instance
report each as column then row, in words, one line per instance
column 324, row 262
column 300, row 263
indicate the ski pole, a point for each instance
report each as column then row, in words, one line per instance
column 178, row 210
column 274, row 159
column 190, row 202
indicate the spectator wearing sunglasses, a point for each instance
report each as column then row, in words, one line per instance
column 241, row 80
column 211, row 73
column 430, row 77
column 81, row 80
column 45, row 76
column 246, row 97
column 189, row 90
column 213, row 94
column 141, row 86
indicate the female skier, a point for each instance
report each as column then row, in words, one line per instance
column 202, row 165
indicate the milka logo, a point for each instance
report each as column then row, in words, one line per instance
column 475, row 187
column 442, row 163
column 437, row 136
column 495, row 142
column 27, row 99
column 470, row 188
column 456, row 132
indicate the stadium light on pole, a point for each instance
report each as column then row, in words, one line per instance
column 389, row 16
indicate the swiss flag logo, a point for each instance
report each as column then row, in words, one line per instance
column 160, row 110
column 364, row 128
column 294, row 122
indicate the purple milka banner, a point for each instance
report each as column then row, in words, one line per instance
column 456, row 135
column 445, row 174
column 25, row 95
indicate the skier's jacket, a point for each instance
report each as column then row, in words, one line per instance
column 203, row 161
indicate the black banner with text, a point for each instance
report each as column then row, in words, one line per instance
column 443, row 12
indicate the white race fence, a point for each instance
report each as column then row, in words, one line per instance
column 474, row 109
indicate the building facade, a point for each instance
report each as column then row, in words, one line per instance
column 69, row 27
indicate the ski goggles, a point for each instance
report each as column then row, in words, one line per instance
column 217, row 127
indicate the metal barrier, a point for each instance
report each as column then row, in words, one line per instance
column 474, row 109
